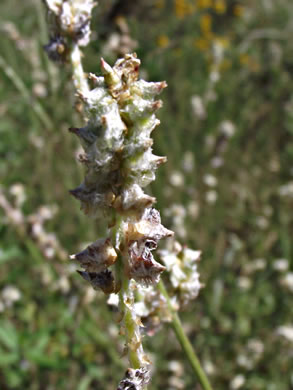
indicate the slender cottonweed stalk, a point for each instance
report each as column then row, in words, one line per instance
column 119, row 163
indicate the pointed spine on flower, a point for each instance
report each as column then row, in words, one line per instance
column 96, row 257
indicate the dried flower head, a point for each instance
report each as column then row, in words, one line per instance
column 72, row 19
column 56, row 49
column 135, row 379
column 142, row 237
column 103, row 280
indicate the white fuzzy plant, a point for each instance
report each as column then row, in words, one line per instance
column 119, row 163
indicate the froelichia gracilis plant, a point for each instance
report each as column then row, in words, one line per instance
column 120, row 112
column 119, row 163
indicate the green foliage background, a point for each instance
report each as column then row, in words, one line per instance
column 53, row 337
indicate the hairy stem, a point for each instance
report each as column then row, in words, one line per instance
column 130, row 321
column 78, row 75
column 184, row 342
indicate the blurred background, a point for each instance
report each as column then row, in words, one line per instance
column 227, row 189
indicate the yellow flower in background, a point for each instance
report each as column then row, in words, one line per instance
column 191, row 8
column 244, row 59
column 163, row 41
column 160, row 4
column 249, row 62
column 181, row 8
column 225, row 65
column 238, row 10
column 205, row 23
column 220, row 6
column 203, row 4
column 209, row 35
column 202, row 44
column 222, row 41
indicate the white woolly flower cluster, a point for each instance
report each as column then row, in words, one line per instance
column 116, row 140
column 181, row 263
column 181, row 266
column 8, row 296
column 119, row 163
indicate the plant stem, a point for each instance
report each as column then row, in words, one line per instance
column 37, row 108
column 184, row 342
column 79, row 78
column 44, row 37
column 126, row 304
column 130, row 325
column 132, row 331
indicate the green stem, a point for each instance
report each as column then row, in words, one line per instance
column 132, row 329
column 132, row 332
column 45, row 37
column 20, row 86
column 130, row 325
column 184, row 342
